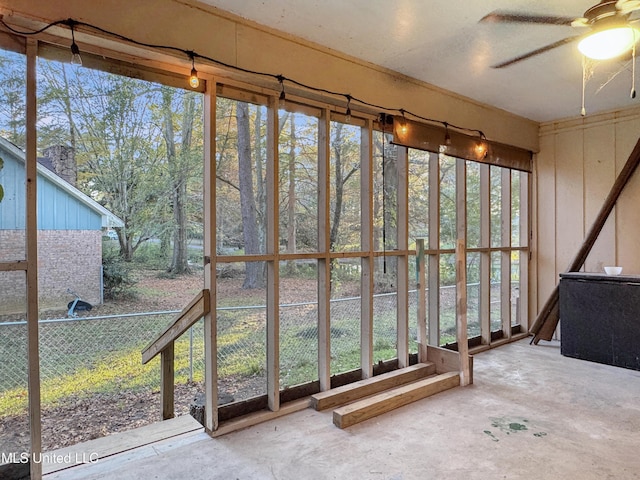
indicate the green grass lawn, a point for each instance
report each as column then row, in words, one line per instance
column 84, row 357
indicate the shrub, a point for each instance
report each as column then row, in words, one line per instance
column 151, row 255
column 116, row 274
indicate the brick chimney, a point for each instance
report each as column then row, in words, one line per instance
column 63, row 161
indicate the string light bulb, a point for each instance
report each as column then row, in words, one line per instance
column 447, row 136
column 404, row 128
column 76, row 59
column 282, row 99
column 71, row 23
column 194, row 81
column 481, row 148
column 348, row 112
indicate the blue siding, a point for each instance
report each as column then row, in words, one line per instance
column 12, row 207
column 57, row 210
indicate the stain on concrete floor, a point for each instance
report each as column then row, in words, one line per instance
column 508, row 426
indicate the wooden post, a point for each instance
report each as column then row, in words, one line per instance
column 402, row 319
column 525, row 229
column 505, row 255
column 422, row 301
column 273, row 266
column 167, row 381
column 434, row 245
column 549, row 315
column 209, row 244
column 33, row 351
column 484, row 300
column 324, row 264
column 366, row 238
column 461, row 311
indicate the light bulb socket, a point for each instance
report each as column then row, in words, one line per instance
column 194, row 81
column 283, row 96
column 76, row 59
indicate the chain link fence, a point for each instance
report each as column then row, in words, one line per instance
column 102, row 354
column 98, row 359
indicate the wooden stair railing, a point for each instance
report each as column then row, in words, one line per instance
column 163, row 345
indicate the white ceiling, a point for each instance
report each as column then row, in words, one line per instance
column 442, row 43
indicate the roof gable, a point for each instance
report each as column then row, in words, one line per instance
column 108, row 218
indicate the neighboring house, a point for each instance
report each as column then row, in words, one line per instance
column 70, row 228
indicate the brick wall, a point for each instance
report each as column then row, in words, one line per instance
column 66, row 259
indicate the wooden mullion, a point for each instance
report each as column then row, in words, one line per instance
column 433, row 319
column 484, row 301
column 422, row 301
column 461, row 310
column 273, row 267
column 324, row 263
column 505, row 256
column 402, row 314
column 461, row 244
column 523, row 309
column 31, row 233
column 366, row 239
column 210, row 262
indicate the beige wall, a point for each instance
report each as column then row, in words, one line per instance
column 222, row 36
column 575, row 169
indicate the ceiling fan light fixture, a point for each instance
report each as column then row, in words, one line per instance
column 609, row 43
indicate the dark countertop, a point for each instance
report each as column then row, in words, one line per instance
column 601, row 277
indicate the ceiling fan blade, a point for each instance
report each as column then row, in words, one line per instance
column 627, row 6
column 512, row 17
column 538, row 51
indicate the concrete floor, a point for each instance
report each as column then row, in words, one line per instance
column 531, row 413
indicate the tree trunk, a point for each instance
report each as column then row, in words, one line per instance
column 339, row 184
column 261, row 193
column 178, row 171
column 391, row 207
column 291, row 204
column 253, row 272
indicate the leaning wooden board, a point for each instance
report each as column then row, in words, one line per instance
column 549, row 315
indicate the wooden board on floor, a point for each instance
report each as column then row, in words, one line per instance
column 385, row 402
column 255, row 418
column 369, row 386
column 444, row 359
column 118, row 443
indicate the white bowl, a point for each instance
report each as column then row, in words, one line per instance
column 613, row 270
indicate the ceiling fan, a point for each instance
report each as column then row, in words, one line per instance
column 610, row 32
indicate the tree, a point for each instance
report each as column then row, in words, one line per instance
column 181, row 167
column 120, row 158
column 343, row 170
column 291, row 197
column 253, row 276
column 56, row 105
column 13, row 90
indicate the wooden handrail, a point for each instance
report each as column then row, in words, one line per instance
column 164, row 345
column 197, row 308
